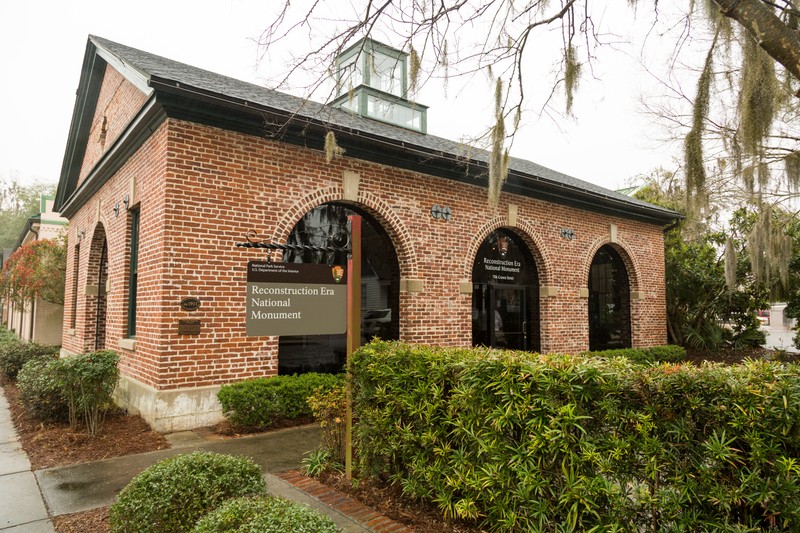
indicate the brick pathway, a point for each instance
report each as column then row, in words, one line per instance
column 343, row 503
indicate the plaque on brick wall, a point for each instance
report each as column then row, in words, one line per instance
column 188, row 326
column 190, row 304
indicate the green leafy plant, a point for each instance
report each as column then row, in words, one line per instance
column 319, row 461
column 653, row 355
column 329, row 409
column 40, row 391
column 14, row 353
column 261, row 402
column 524, row 442
column 173, row 494
column 265, row 515
column 87, row 382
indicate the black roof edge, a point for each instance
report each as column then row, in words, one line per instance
column 85, row 102
column 259, row 120
column 173, row 98
column 28, row 226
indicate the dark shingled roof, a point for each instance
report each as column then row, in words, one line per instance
column 164, row 74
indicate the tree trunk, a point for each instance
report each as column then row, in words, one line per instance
column 776, row 38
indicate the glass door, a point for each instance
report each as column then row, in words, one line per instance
column 500, row 316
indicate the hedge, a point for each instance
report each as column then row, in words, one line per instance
column 14, row 353
column 264, row 515
column 525, row 442
column 261, row 402
column 656, row 354
column 173, row 494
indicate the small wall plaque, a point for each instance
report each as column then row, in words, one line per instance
column 190, row 304
column 188, row 326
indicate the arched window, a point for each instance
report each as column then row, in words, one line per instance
column 380, row 287
column 505, row 294
column 609, row 301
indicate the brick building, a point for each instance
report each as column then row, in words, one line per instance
column 168, row 166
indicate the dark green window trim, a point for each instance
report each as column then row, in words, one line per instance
column 133, row 273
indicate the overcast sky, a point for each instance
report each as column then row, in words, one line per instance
column 43, row 45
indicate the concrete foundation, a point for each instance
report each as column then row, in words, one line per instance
column 170, row 410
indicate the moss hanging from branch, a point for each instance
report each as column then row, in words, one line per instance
column 498, row 157
column 693, row 143
column 792, row 170
column 332, row 149
column 730, row 265
column 414, row 68
column 572, row 75
column 757, row 97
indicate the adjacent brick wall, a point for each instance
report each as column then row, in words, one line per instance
column 201, row 189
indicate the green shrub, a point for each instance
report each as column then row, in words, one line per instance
column 174, row 494
column 657, row 354
column 14, row 353
column 7, row 335
column 261, row 402
column 265, row 515
column 524, row 442
column 329, row 409
column 39, row 390
column 87, row 382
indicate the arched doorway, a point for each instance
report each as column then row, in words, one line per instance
column 609, row 301
column 505, row 296
column 380, row 287
column 96, row 282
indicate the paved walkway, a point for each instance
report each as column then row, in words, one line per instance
column 22, row 508
column 75, row 488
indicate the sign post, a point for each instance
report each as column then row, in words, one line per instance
column 307, row 299
column 353, row 332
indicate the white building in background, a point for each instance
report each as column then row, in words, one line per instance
column 39, row 321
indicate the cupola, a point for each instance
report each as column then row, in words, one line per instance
column 372, row 81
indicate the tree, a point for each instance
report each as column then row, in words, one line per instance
column 506, row 39
column 37, row 269
column 709, row 304
column 18, row 202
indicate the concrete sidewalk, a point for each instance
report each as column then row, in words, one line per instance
column 81, row 487
column 22, row 508
column 36, row 496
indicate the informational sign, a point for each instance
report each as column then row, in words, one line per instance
column 295, row 299
column 500, row 270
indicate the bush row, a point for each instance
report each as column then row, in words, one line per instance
column 525, row 442
column 656, row 354
column 74, row 388
column 14, row 353
column 203, row 492
column 261, row 402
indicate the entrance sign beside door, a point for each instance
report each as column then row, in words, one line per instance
column 295, row 299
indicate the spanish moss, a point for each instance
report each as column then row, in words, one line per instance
column 572, row 75
column 498, row 158
column 332, row 149
column 693, row 143
column 730, row 265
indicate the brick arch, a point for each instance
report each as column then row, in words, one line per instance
column 95, row 299
column 372, row 204
column 630, row 260
column 528, row 235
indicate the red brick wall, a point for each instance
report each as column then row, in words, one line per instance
column 201, row 189
column 118, row 102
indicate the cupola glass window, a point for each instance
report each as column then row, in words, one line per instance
column 372, row 81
